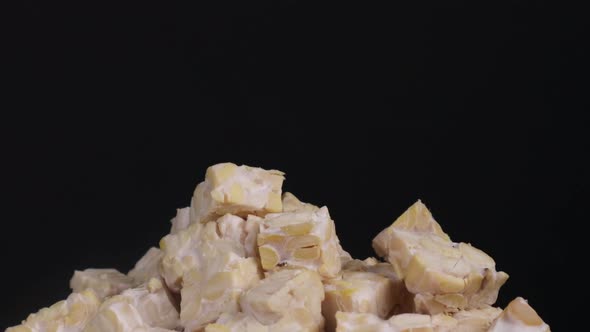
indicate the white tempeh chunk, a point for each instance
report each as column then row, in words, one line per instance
column 105, row 282
column 356, row 291
column 148, row 306
column 239, row 190
column 196, row 247
column 357, row 322
column 147, row 267
column 181, row 221
column 431, row 265
column 299, row 320
column 209, row 264
column 303, row 238
column 519, row 317
column 70, row 315
column 476, row 320
column 286, row 292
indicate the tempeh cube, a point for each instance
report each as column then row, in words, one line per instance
column 356, row 291
column 239, row 190
column 300, row 239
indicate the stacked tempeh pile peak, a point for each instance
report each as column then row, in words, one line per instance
column 246, row 257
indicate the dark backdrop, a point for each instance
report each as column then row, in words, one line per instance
column 365, row 109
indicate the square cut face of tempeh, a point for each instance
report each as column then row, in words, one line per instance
column 293, row 204
column 239, row 190
column 357, row 291
column 401, row 299
column 300, row 239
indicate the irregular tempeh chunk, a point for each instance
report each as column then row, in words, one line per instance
column 300, row 239
column 180, row 255
column 286, row 292
column 148, row 306
column 292, row 204
column 406, row 302
column 353, row 322
column 299, row 320
column 193, row 247
column 356, row 291
column 105, row 282
column 239, row 190
column 519, row 316
column 476, row 320
column 209, row 262
column 69, row 315
column 357, row 322
column 402, row 300
column 418, row 322
column 147, row 267
column 216, row 290
column 432, row 265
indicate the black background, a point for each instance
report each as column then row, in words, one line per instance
column 476, row 111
